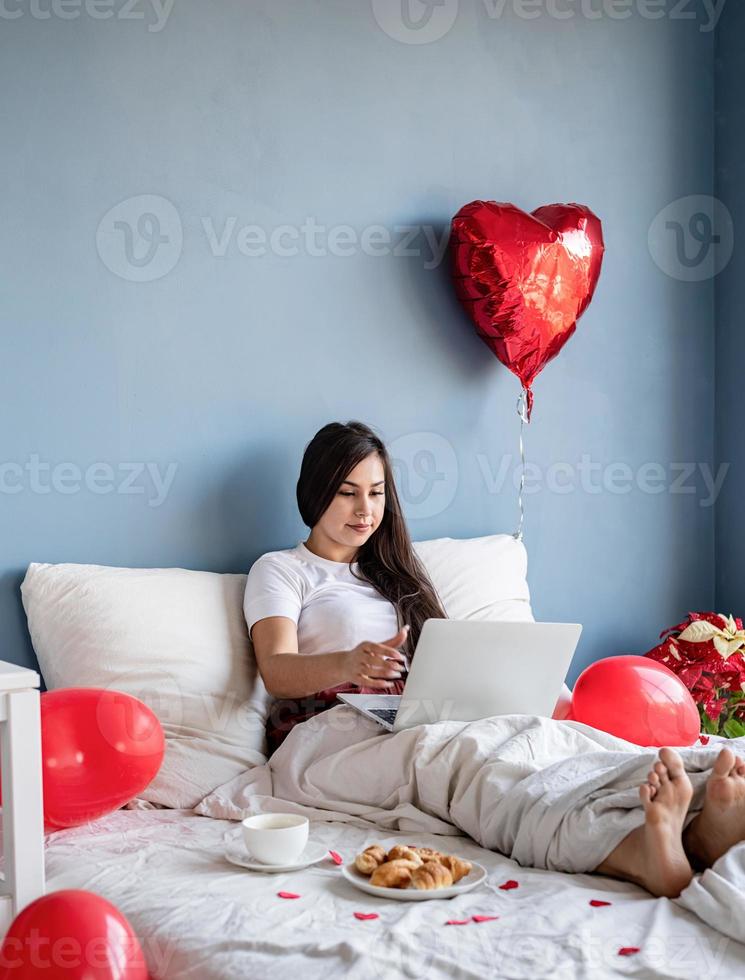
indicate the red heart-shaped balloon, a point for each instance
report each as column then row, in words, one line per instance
column 525, row 279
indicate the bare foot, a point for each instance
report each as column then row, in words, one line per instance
column 721, row 823
column 653, row 855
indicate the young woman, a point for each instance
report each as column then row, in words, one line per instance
column 313, row 610
column 343, row 610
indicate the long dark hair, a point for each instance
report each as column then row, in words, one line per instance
column 387, row 559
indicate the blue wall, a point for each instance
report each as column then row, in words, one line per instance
column 730, row 150
column 222, row 367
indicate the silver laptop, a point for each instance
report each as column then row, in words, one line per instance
column 465, row 670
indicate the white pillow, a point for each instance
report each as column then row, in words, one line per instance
column 172, row 637
column 479, row 578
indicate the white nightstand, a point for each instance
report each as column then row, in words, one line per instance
column 22, row 806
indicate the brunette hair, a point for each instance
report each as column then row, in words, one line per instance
column 387, row 559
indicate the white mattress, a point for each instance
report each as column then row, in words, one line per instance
column 198, row 917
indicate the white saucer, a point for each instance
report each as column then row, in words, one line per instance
column 236, row 853
column 477, row 875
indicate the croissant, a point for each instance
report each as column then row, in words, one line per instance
column 405, row 863
column 431, row 875
column 406, row 853
column 369, row 859
column 457, row 867
column 392, row 874
column 427, row 853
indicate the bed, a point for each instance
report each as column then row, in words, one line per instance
column 198, row 917
column 177, row 639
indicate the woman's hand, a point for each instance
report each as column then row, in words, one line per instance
column 369, row 664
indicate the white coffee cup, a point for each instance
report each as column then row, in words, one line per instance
column 275, row 838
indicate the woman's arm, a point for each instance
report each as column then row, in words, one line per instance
column 289, row 674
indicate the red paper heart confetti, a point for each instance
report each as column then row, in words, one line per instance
column 288, row 895
column 484, row 918
column 336, row 857
column 457, row 922
column 598, row 903
column 363, row 916
column 703, row 739
column 628, row 950
column 509, row 884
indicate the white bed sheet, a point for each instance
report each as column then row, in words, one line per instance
column 198, row 917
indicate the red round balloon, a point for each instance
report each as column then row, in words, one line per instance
column 525, row 279
column 71, row 935
column 637, row 699
column 100, row 748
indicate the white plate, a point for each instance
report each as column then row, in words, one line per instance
column 236, row 853
column 477, row 875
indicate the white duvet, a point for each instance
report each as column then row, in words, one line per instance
column 551, row 793
column 197, row 917
column 548, row 794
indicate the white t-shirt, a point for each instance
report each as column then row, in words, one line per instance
column 332, row 609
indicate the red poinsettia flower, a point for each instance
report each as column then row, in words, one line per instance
column 707, row 652
column 690, row 676
column 714, row 707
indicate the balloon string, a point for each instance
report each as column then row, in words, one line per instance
column 522, row 411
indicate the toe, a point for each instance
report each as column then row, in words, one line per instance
column 645, row 794
column 653, row 779
column 673, row 762
column 724, row 762
column 661, row 769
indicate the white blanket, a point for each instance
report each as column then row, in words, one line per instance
column 549, row 794
column 197, row 917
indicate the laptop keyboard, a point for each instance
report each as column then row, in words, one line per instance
column 387, row 715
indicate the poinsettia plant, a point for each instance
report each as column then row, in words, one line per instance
column 707, row 652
